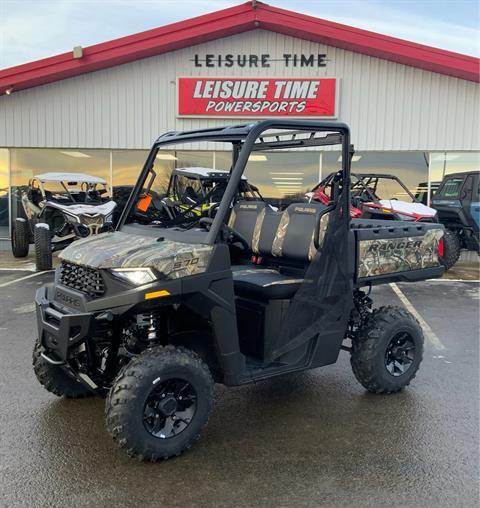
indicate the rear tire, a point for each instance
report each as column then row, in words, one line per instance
column 388, row 350
column 20, row 238
column 54, row 379
column 451, row 249
column 43, row 247
column 159, row 403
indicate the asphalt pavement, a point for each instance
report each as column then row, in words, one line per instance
column 311, row 439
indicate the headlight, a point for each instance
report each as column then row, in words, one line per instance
column 135, row 276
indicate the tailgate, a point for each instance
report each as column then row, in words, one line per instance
column 389, row 251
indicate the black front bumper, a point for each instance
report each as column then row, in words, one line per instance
column 59, row 332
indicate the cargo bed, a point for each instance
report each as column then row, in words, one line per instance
column 390, row 251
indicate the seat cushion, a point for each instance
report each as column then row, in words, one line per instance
column 264, row 283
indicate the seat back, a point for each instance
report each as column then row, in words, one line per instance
column 265, row 230
column 297, row 232
column 292, row 235
column 244, row 217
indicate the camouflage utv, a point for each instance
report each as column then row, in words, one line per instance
column 152, row 315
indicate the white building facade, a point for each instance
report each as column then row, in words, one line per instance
column 414, row 122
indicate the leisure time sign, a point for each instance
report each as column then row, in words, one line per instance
column 257, row 97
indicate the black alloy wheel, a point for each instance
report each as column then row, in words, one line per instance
column 169, row 408
column 400, row 354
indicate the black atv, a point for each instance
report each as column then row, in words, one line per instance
column 457, row 202
column 192, row 193
column 152, row 316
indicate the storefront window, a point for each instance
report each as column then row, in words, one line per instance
column 192, row 159
column 223, row 160
column 4, row 183
column 445, row 163
column 126, row 166
column 26, row 163
column 410, row 167
column 283, row 176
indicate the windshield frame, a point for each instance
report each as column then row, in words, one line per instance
column 244, row 139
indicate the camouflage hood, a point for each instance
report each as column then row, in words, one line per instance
column 122, row 250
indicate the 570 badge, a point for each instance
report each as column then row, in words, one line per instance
column 185, row 263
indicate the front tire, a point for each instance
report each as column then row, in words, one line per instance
column 388, row 350
column 43, row 247
column 451, row 249
column 54, row 379
column 159, row 403
column 20, row 238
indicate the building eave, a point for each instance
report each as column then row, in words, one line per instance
column 232, row 21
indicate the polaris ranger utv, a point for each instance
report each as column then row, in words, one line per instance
column 152, row 316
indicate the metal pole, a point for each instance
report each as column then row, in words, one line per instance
column 320, row 166
column 9, row 171
column 429, row 179
column 111, row 174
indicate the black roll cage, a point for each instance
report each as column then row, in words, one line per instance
column 245, row 140
column 366, row 180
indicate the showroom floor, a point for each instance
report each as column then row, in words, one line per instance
column 311, row 439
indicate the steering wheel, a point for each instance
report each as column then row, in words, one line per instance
column 230, row 235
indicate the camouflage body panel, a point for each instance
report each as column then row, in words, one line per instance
column 121, row 250
column 277, row 245
column 258, row 230
column 232, row 219
column 322, row 228
column 393, row 255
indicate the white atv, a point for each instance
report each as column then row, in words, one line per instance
column 58, row 209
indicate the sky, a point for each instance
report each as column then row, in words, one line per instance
column 33, row 29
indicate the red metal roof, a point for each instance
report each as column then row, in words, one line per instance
column 231, row 21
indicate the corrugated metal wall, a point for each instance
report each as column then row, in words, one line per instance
column 388, row 106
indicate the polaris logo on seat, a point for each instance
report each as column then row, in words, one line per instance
column 390, row 246
column 303, row 209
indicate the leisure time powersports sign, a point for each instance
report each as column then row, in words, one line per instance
column 257, row 97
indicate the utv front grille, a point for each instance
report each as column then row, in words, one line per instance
column 84, row 279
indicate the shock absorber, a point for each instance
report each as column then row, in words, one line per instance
column 152, row 328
